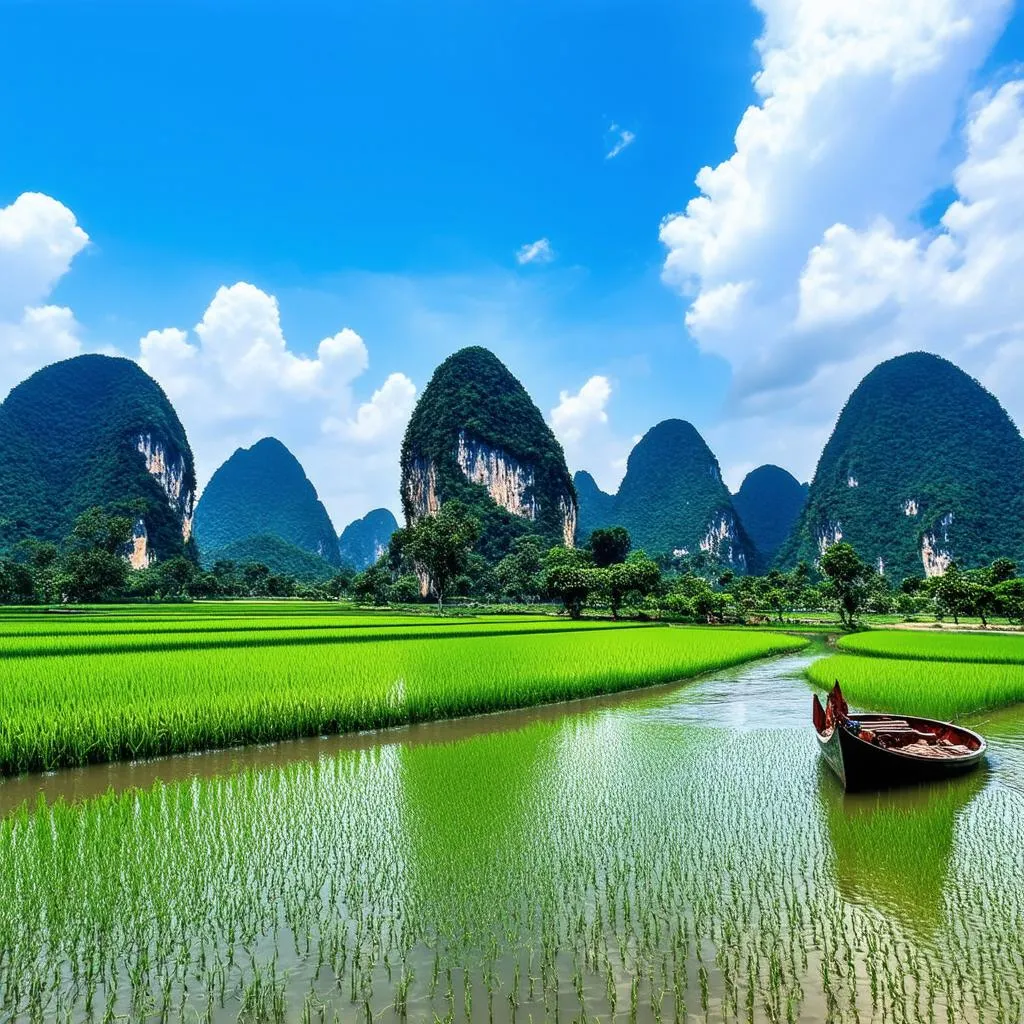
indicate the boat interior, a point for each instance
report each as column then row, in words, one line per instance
column 915, row 736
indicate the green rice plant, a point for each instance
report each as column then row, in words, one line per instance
column 999, row 649
column 271, row 634
column 80, row 708
column 932, row 689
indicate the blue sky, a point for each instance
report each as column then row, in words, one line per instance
column 377, row 167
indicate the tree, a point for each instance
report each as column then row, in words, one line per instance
column 93, row 567
column 440, row 544
column 609, row 546
column 372, row 585
column 955, row 593
column 637, row 576
column 1010, row 597
column 570, row 578
column 517, row 572
column 849, row 579
column 1002, row 570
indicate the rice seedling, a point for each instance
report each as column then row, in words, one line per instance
column 944, row 690
column 606, row 863
column 990, row 649
column 71, row 709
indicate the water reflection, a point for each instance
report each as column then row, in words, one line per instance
column 892, row 850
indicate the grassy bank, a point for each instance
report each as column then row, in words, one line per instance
column 101, row 705
column 946, row 690
column 992, row 649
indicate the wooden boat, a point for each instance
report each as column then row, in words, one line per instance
column 881, row 751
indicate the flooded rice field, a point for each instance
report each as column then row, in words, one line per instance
column 678, row 854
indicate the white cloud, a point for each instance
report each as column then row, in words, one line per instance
column 623, row 138
column 535, row 252
column 801, row 258
column 576, row 414
column 384, row 416
column 39, row 238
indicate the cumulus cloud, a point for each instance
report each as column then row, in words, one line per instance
column 39, row 238
column 623, row 138
column 385, row 415
column 576, row 414
column 802, row 260
column 535, row 252
column 235, row 378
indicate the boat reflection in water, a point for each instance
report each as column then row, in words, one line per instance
column 892, row 849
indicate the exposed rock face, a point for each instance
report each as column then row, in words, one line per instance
column 172, row 473
column 672, row 499
column 924, row 467
column 935, row 547
column 476, row 436
column 508, row 482
column 769, row 502
column 137, row 549
column 95, row 430
column 263, row 491
column 362, row 542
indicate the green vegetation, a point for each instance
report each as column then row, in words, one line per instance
column 193, row 693
column 921, row 452
column 614, row 866
column 279, row 556
column 362, row 542
column 945, row 647
column 671, row 498
column 69, row 440
column 439, row 545
column 944, row 690
column 472, row 395
column 769, row 503
column 259, row 492
column 597, row 508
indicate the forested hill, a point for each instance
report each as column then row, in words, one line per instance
column 769, row 503
column 263, row 490
column 279, row 556
column 363, row 541
column 94, row 430
column 924, row 467
column 672, row 499
column 597, row 507
column 475, row 435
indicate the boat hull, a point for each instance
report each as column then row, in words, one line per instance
column 861, row 765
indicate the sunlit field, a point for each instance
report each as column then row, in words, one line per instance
column 634, row 862
column 82, row 697
column 943, row 676
column 993, row 648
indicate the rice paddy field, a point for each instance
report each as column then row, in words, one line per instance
column 670, row 854
column 947, row 676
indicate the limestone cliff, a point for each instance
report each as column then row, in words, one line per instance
column 95, row 430
column 475, row 435
column 672, row 499
column 924, row 467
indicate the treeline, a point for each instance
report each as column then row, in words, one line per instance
column 90, row 566
column 434, row 560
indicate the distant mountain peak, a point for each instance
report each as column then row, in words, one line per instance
column 262, row 491
column 769, row 502
column 923, row 467
column 476, row 435
column 672, row 499
column 363, row 541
